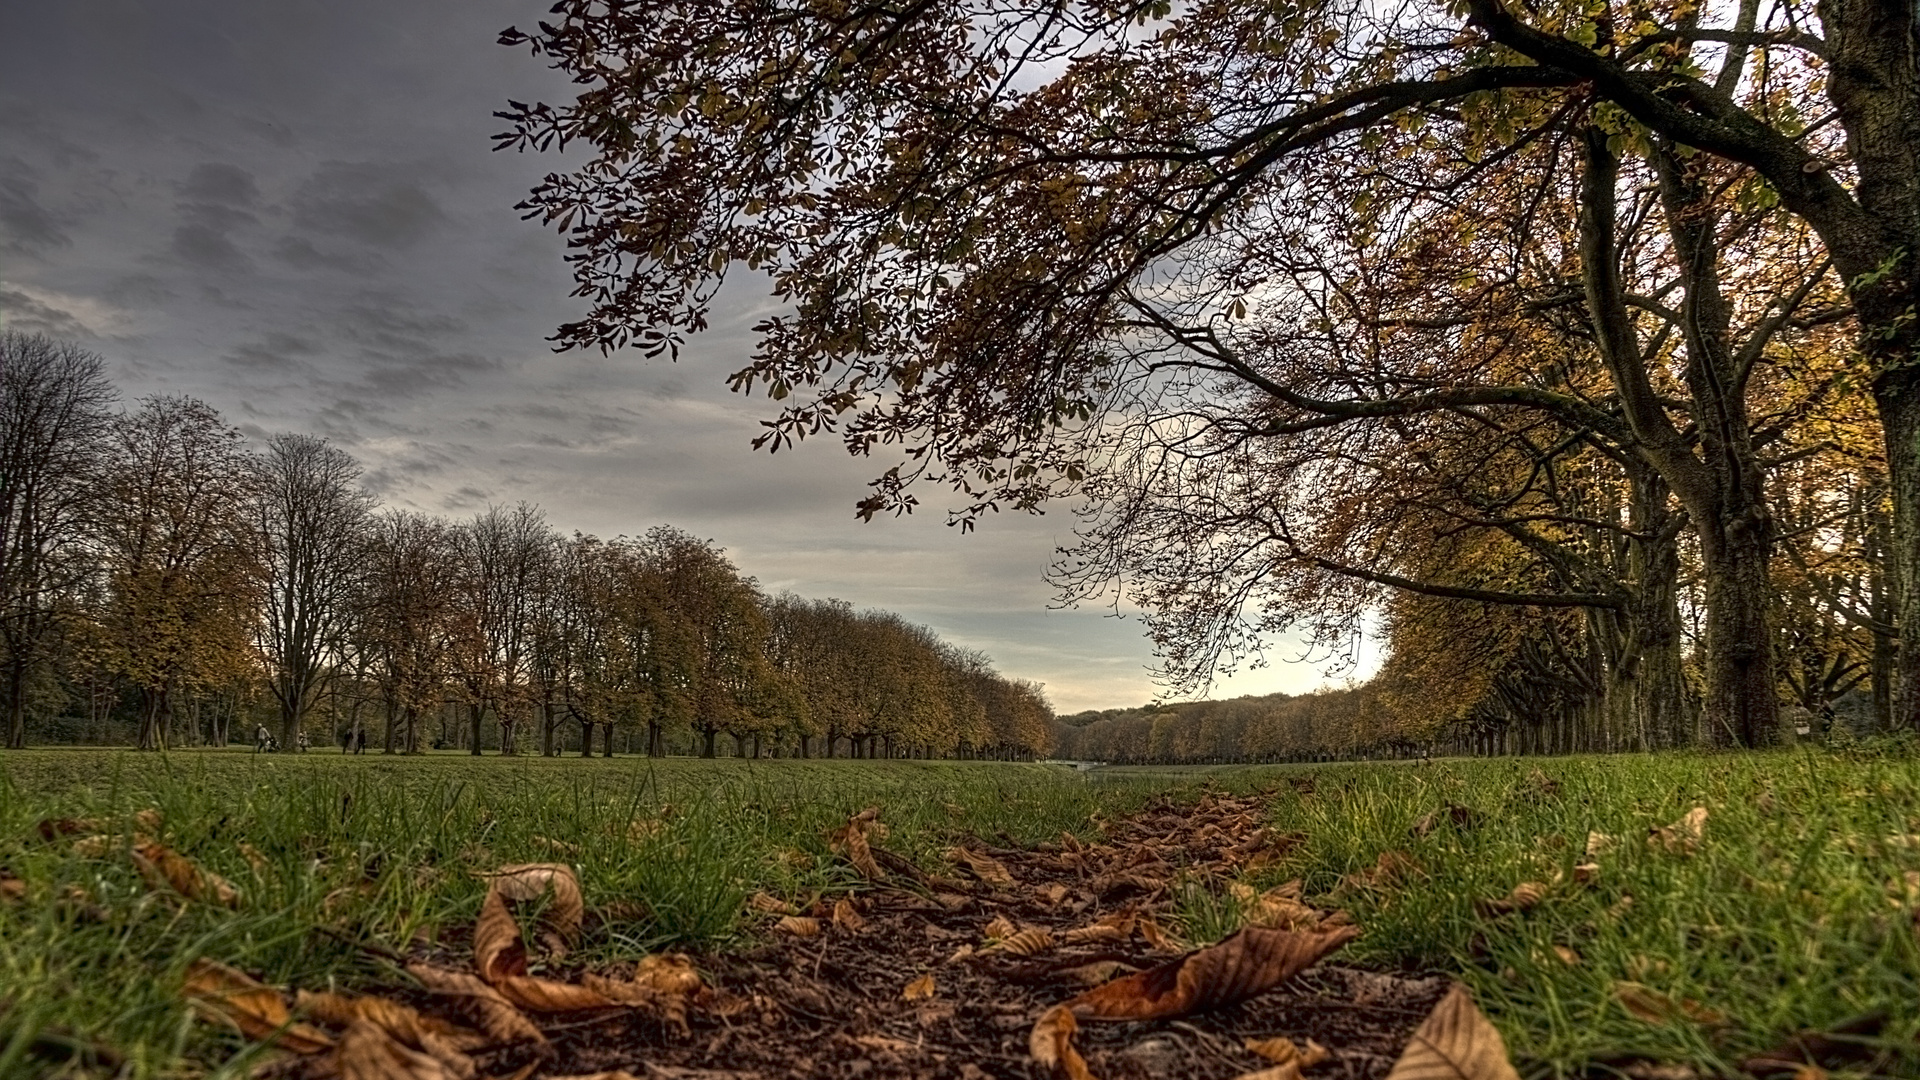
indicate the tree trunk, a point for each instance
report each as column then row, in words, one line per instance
column 17, row 702
column 656, row 739
column 1898, row 394
column 608, row 750
column 706, row 741
column 548, row 722
column 586, row 737
column 474, row 712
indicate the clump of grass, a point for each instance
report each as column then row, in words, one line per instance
column 343, row 860
column 1792, row 912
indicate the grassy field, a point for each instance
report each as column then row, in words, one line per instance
column 1793, row 908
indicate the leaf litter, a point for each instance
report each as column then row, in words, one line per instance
column 1063, row 968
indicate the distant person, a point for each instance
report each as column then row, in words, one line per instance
column 302, row 743
column 262, row 740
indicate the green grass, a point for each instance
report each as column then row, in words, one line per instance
column 1782, row 919
column 1791, row 914
column 383, row 851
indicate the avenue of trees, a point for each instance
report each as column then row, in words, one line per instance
column 163, row 579
column 1574, row 340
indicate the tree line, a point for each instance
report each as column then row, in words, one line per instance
column 158, row 570
column 1576, row 341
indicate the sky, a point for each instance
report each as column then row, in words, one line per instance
column 292, row 211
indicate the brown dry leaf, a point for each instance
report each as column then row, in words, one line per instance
column 846, row 918
column 482, row 1005
column 1115, row 927
column 1454, row 1043
column 368, row 1053
column 1598, row 843
column 1245, row 965
column 664, row 983
column 852, row 838
column 1682, row 837
column 985, row 867
column 1158, row 938
column 1389, row 869
column 798, row 926
column 51, row 829
column 1586, row 873
column 1545, row 784
column 535, row 994
column 558, row 847
column 12, row 889
column 1524, row 896
column 1654, row 1007
column 1279, row 909
column 1029, row 942
column 432, row 1036
column 1281, row 1050
column 497, row 949
column 1051, row 1044
column 919, row 988
column 769, row 905
column 1053, row 894
column 531, row 881
column 1000, row 927
column 161, row 865
column 962, row 953
column 1567, row 955
column 1093, row 974
column 254, row 859
column 258, row 1010
column 1460, row 816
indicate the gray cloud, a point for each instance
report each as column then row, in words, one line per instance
column 371, row 203
column 25, row 225
column 23, row 312
column 216, row 183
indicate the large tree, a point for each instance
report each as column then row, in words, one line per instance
column 993, row 227
column 310, row 528
column 54, row 409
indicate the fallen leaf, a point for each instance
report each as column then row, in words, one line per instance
column 665, row 984
column 254, row 859
column 480, row 1004
column 1566, row 955
column 1598, row 843
column 1158, row 938
column 1053, row 894
column 497, row 949
column 846, row 918
column 12, row 889
column 919, row 988
column 1545, row 784
column 1586, row 873
column 852, row 839
column 161, row 865
column 1051, row 1044
column 798, row 926
column 258, row 1010
column 1280, row 909
column 1682, row 837
column 962, row 953
column 1455, row 1042
column 431, row 1036
column 1115, row 927
column 1249, row 963
column 1000, row 927
column 539, row 995
column 1280, row 1051
column 1653, row 1007
column 1525, row 895
column 1093, row 974
column 1028, row 942
column 769, row 905
column 531, row 881
column 985, row 867
column 368, row 1053
column 1461, row 817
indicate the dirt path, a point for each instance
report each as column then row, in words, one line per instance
column 1004, row 934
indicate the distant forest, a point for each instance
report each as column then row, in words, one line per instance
column 167, row 583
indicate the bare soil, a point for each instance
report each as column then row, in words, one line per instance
column 833, row 1004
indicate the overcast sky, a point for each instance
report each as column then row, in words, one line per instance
column 290, row 209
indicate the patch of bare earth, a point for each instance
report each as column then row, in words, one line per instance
column 1004, row 962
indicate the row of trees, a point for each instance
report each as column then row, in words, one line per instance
column 1579, row 339
column 151, row 556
